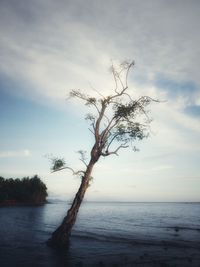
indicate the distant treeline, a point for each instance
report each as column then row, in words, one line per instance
column 26, row 190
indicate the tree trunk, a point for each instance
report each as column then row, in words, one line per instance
column 60, row 237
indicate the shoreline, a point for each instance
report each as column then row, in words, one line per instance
column 13, row 203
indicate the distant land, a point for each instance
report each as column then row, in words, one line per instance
column 25, row 191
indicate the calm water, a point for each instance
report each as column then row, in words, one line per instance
column 104, row 235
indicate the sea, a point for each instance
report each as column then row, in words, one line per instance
column 105, row 234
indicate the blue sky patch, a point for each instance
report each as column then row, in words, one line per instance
column 193, row 110
column 176, row 88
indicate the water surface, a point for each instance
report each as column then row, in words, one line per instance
column 106, row 234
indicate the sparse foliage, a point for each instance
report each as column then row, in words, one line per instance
column 116, row 122
column 57, row 164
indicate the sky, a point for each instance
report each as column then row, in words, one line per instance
column 49, row 47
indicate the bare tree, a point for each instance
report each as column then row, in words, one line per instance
column 117, row 121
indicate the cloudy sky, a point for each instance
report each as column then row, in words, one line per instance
column 49, row 47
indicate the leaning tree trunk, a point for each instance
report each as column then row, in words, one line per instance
column 60, row 237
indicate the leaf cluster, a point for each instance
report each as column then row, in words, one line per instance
column 130, row 131
column 57, row 163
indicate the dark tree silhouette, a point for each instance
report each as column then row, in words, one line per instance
column 117, row 122
column 27, row 190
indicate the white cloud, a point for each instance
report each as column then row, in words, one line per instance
column 15, row 153
column 53, row 55
column 162, row 168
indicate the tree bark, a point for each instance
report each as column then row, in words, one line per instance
column 60, row 237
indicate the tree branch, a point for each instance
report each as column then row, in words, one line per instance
column 69, row 168
column 128, row 69
column 97, row 126
column 117, row 77
column 107, row 153
column 91, row 131
column 112, row 139
column 96, row 90
column 83, row 157
column 114, row 77
column 89, row 100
